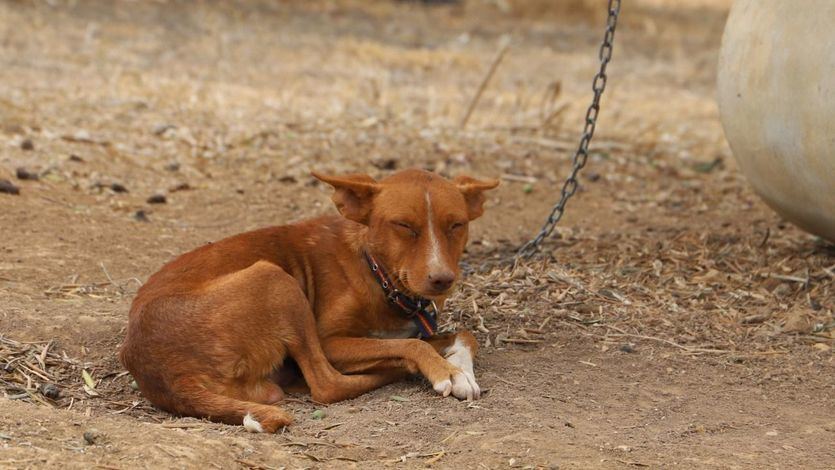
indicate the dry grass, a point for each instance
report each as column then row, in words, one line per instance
column 698, row 294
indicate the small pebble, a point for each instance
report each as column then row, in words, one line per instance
column 27, row 145
column 75, row 158
column 91, row 436
column 133, row 385
column 318, row 414
column 7, row 187
column 118, row 188
column 50, row 391
column 82, row 135
column 157, row 199
column 160, row 129
column 287, row 179
column 24, row 174
column 628, row 348
column 385, row 163
column 141, row 216
column 173, row 166
column 181, row 187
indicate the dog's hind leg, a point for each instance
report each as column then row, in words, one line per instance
column 255, row 417
column 271, row 312
column 264, row 391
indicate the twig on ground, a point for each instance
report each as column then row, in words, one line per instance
column 181, row 425
column 504, row 45
column 520, row 341
column 55, row 201
column 507, row 382
column 518, row 178
column 254, row 466
column 665, row 341
column 782, row 277
column 107, row 274
column 434, row 459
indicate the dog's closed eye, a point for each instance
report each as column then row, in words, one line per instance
column 406, row 228
column 455, row 227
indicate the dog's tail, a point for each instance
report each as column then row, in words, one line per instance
column 255, row 417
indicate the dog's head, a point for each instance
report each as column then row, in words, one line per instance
column 417, row 222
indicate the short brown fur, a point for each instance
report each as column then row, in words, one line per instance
column 209, row 333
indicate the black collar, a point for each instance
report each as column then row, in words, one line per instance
column 420, row 310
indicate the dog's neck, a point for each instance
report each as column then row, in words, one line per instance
column 394, row 293
column 422, row 311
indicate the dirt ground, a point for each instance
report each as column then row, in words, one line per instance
column 675, row 321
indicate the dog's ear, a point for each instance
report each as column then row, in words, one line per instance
column 353, row 196
column 473, row 191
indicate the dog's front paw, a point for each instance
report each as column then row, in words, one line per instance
column 462, row 384
column 444, row 387
column 464, row 387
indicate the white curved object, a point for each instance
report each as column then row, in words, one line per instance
column 776, row 92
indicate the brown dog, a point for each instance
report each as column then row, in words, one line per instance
column 345, row 297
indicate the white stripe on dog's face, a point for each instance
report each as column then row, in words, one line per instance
column 436, row 261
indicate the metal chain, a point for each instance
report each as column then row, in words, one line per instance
column 581, row 155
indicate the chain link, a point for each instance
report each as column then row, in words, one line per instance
column 581, row 155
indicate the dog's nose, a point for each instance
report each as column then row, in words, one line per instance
column 441, row 281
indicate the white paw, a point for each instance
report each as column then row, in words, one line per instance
column 444, row 387
column 464, row 386
column 251, row 424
